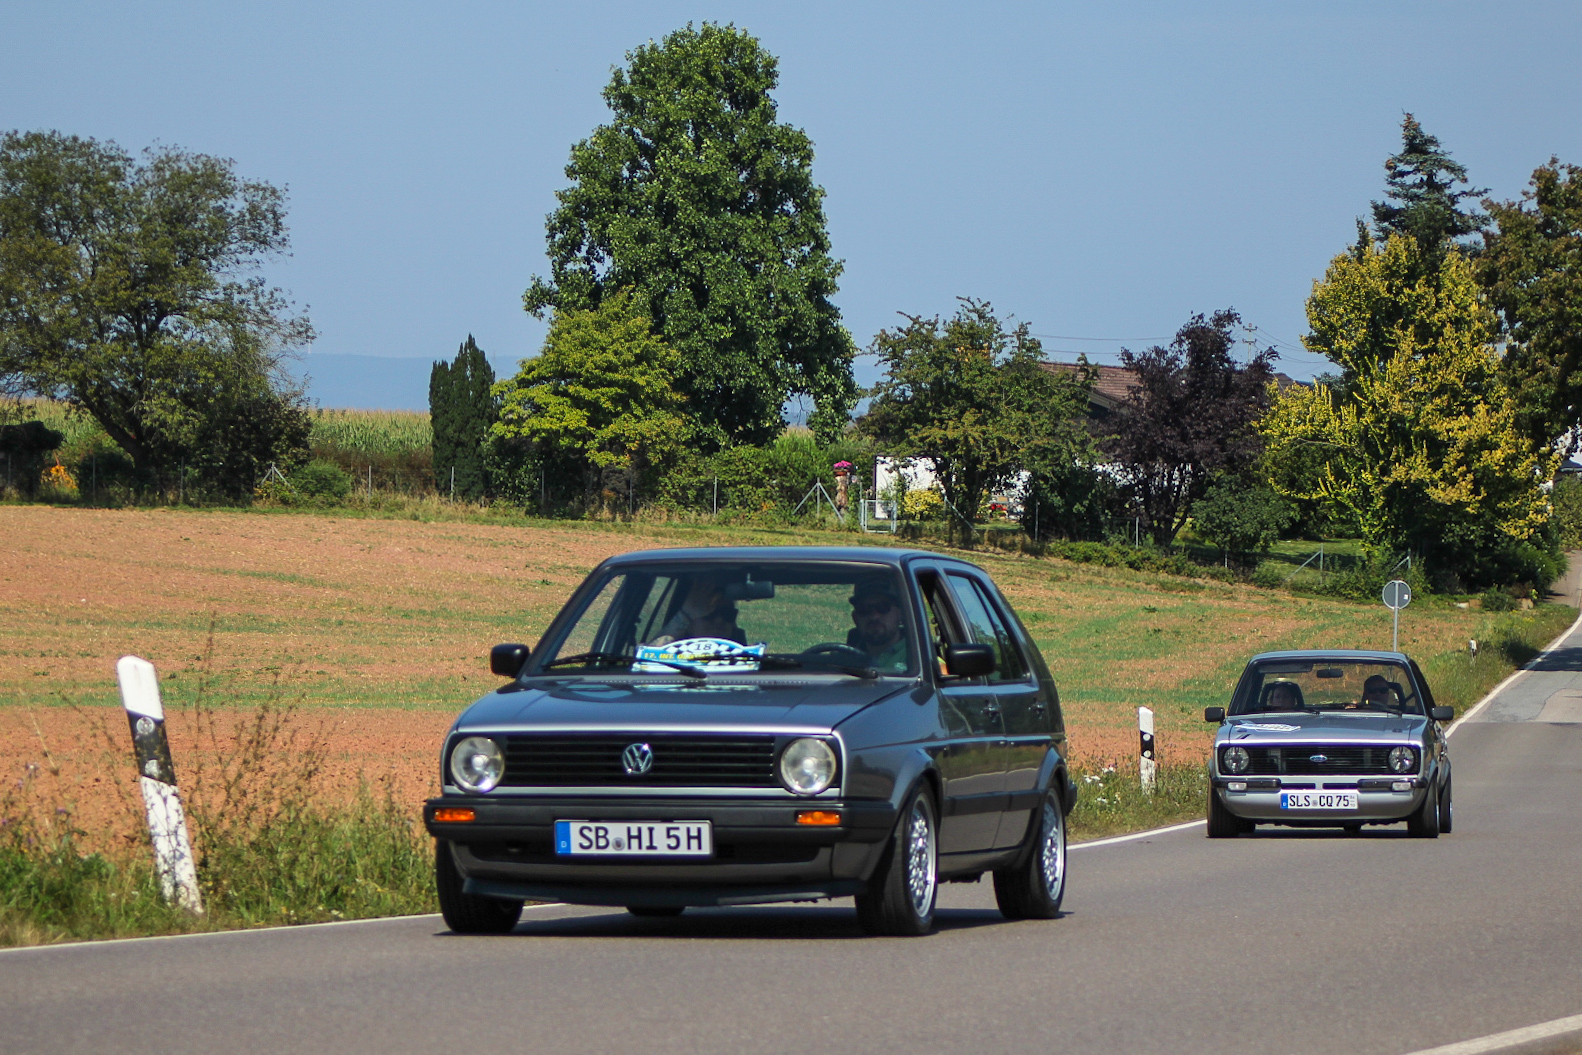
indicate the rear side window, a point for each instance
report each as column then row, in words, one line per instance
column 988, row 628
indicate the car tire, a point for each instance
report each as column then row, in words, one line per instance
column 902, row 893
column 1445, row 814
column 656, row 911
column 1034, row 888
column 1222, row 823
column 469, row 913
column 1424, row 821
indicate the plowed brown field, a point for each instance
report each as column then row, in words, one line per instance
column 378, row 631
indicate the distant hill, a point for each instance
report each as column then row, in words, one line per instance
column 374, row 382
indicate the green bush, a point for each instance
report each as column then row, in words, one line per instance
column 1269, row 576
column 321, row 482
column 1496, row 601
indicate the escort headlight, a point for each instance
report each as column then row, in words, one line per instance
column 1403, row 759
column 1235, row 759
column 477, row 764
column 807, row 766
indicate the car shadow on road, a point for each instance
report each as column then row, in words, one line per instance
column 1560, row 659
column 762, row 923
column 1370, row 832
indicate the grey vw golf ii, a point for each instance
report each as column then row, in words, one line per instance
column 736, row 726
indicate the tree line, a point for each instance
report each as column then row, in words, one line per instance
column 690, row 297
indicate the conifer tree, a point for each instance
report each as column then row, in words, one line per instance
column 1422, row 182
column 461, row 409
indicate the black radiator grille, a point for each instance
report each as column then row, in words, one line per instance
column 678, row 761
column 1321, row 759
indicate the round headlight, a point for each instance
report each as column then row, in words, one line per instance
column 1235, row 759
column 1403, row 759
column 807, row 766
column 477, row 764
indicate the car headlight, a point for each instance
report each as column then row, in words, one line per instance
column 1403, row 759
column 477, row 764
column 1235, row 759
column 807, row 766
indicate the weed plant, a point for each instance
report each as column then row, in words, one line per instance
column 1111, row 799
column 270, row 848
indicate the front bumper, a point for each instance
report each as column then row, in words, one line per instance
column 1378, row 801
column 761, row 853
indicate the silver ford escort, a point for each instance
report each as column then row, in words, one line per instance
column 1333, row 739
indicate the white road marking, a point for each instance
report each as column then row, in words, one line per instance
column 1134, row 836
column 1508, row 1041
column 1514, row 675
column 95, row 943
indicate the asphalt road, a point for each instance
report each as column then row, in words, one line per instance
column 1285, row 941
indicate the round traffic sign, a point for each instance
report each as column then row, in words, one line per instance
column 1397, row 594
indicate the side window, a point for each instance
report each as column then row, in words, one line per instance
column 942, row 629
column 987, row 628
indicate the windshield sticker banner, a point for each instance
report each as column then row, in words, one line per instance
column 717, row 653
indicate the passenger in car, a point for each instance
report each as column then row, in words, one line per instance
column 1282, row 696
column 876, row 616
column 706, row 612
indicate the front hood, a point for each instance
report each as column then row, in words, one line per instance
column 588, row 703
column 1329, row 728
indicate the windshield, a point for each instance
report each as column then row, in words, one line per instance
column 1321, row 685
column 708, row 618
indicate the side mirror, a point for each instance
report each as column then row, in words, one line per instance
column 508, row 660
column 1213, row 714
column 968, row 661
column 1441, row 714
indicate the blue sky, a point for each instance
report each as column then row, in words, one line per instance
column 1100, row 171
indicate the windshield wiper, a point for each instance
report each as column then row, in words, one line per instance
column 776, row 661
column 613, row 659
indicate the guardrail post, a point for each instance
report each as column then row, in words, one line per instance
column 167, row 822
column 1147, row 766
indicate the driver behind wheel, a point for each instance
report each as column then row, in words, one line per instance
column 876, row 616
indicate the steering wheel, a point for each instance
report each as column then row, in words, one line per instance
column 837, row 653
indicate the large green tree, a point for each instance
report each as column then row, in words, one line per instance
column 1426, row 191
column 1419, row 441
column 698, row 200
column 461, row 407
column 595, row 412
column 130, row 289
column 1532, row 268
column 974, row 400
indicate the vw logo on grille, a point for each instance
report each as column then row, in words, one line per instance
column 1320, row 759
column 637, row 759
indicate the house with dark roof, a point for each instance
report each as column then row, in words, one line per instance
column 1115, row 383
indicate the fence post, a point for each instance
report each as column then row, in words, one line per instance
column 716, row 498
column 453, row 483
column 167, row 823
column 1147, row 766
column 370, row 480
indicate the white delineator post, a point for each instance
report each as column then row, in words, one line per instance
column 1147, row 766
column 167, row 822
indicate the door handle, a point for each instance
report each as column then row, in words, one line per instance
column 1039, row 705
column 991, row 708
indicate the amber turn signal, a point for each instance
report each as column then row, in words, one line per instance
column 454, row 815
column 822, row 818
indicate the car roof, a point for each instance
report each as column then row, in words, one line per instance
column 1331, row 653
column 821, row 554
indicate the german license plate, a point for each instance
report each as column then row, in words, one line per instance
column 1318, row 800
column 634, row 838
